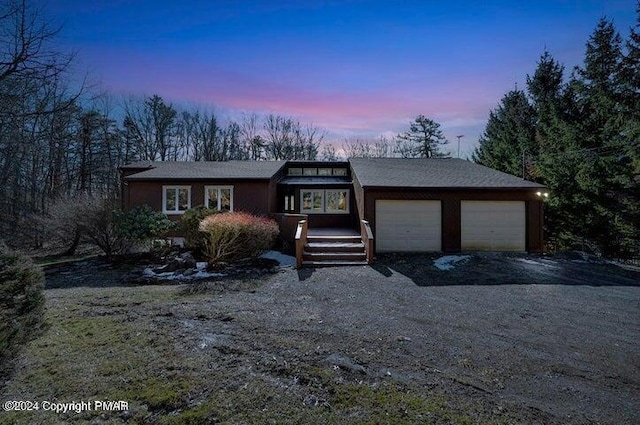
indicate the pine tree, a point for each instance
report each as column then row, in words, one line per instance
column 604, row 175
column 423, row 139
column 507, row 143
column 630, row 76
column 545, row 87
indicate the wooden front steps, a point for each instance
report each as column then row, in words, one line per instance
column 334, row 250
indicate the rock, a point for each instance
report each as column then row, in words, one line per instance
column 174, row 265
column 345, row 363
column 189, row 272
column 158, row 270
column 404, row 339
column 187, row 259
column 217, row 266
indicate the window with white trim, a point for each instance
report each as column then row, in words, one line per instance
column 219, row 198
column 337, row 201
column 330, row 201
column 176, row 199
column 312, row 201
column 289, row 203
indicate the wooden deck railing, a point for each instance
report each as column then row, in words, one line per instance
column 301, row 240
column 367, row 240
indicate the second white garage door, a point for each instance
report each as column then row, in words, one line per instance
column 410, row 226
column 493, row 225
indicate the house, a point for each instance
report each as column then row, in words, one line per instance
column 391, row 204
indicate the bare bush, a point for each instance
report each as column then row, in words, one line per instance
column 232, row 236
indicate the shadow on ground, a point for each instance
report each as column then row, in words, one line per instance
column 507, row 269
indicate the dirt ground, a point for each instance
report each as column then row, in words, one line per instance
column 496, row 339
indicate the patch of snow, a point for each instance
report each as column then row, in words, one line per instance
column 284, row 260
column 541, row 262
column 448, row 262
column 200, row 274
column 201, row 265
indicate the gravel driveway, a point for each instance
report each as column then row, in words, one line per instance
column 520, row 339
column 558, row 337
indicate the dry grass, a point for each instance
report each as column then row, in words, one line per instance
column 134, row 344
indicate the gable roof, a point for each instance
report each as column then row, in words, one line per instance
column 433, row 173
column 370, row 172
column 203, row 170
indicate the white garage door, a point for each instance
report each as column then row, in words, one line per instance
column 493, row 225
column 411, row 226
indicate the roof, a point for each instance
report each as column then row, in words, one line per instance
column 370, row 172
column 433, row 173
column 204, row 170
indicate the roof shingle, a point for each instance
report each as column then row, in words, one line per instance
column 433, row 173
column 204, row 170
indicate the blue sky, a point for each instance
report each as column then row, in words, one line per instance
column 355, row 68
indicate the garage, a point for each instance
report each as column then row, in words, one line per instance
column 493, row 225
column 408, row 226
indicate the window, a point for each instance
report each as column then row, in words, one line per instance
column 324, row 171
column 176, row 199
column 337, row 201
column 310, row 171
column 312, row 201
column 339, row 171
column 289, row 203
column 295, row 171
column 219, row 198
column 334, row 201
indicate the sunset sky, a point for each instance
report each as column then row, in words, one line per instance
column 354, row 68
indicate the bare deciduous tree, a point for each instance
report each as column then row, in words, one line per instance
column 360, row 148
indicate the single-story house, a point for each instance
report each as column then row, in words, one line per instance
column 414, row 205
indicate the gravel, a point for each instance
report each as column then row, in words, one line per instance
column 549, row 340
column 562, row 342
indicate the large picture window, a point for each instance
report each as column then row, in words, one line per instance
column 176, row 199
column 337, row 201
column 312, row 201
column 334, row 201
column 219, row 198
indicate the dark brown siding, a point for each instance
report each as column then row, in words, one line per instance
column 451, row 234
column 358, row 195
column 451, row 210
column 535, row 226
column 248, row 196
column 274, row 197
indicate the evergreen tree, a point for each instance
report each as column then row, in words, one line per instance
column 423, row 139
column 583, row 139
column 507, row 143
column 546, row 86
column 630, row 79
column 605, row 177
column 630, row 76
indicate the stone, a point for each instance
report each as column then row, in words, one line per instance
column 346, row 363
column 187, row 259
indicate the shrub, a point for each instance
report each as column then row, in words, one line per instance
column 231, row 236
column 100, row 222
column 142, row 224
column 194, row 239
column 21, row 299
column 61, row 224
